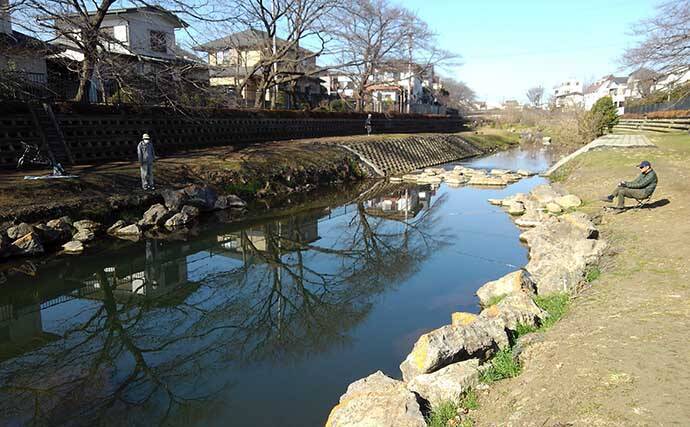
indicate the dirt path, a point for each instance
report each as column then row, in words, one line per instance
column 621, row 354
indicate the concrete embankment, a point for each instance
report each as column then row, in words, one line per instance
column 273, row 174
column 445, row 364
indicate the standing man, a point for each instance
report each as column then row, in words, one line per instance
column 640, row 188
column 367, row 124
column 146, row 158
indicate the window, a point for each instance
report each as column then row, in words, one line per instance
column 158, row 42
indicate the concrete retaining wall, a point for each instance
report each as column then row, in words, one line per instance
column 104, row 135
column 397, row 155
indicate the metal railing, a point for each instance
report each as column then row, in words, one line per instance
column 681, row 104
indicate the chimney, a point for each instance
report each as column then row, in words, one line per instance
column 5, row 18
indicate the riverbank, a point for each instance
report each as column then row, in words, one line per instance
column 446, row 366
column 265, row 175
column 619, row 355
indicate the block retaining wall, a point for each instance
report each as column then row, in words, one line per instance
column 111, row 136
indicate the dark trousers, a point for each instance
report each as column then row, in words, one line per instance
column 620, row 193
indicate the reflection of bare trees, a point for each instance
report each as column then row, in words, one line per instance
column 289, row 294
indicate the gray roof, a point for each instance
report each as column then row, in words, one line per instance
column 243, row 39
column 155, row 10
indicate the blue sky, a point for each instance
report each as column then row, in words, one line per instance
column 508, row 46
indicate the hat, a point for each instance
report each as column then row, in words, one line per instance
column 145, row 136
column 644, row 164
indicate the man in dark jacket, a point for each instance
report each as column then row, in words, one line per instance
column 639, row 189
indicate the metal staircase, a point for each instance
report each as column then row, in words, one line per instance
column 53, row 142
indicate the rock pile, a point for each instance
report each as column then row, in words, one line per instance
column 180, row 209
column 461, row 175
column 446, row 362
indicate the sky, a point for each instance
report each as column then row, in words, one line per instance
column 508, row 46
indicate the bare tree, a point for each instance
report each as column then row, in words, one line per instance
column 379, row 37
column 535, row 94
column 79, row 25
column 459, row 95
column 665, row 41
column 265, row 46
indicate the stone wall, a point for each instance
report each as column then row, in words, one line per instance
column 397, row 155
column 99, row 134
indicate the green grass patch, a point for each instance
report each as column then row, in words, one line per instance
column 441, row 414
column 503, row 366
column 244, row 189
column 469, row 400
column 523, row 329
column 495, row 300
column 555, row 304
column 593, row 274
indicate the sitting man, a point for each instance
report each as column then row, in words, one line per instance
column 641, row 188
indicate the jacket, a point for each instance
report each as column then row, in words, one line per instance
column 645, row 182
column 145, row 152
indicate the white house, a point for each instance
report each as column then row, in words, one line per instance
column 147, row 32
column 615, row 87
column 680, row 75
column 569, row 94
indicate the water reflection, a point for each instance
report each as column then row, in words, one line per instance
column 156, row 332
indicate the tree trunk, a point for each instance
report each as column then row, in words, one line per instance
column 85, row 79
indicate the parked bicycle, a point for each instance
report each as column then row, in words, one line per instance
column 34, row 157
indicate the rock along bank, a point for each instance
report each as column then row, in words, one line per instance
column 447, row 362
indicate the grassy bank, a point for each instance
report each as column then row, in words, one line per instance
column 615, row 358
column 503, row 365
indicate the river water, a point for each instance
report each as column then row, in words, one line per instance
column 263, row 323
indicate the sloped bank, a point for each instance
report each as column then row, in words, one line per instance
column 38, row 216
column 446, row 363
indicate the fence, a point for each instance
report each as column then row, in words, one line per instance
column 681, row 104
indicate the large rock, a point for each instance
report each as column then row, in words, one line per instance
column 450, row 344
column 155, row 215
column 229, row 202
column 513, row 310
column 53, row 236
column 446, row 384
column 30, row 244
column 190, row 211
column 561, row 248
column 494, row 181
column 118, row 225
column 544, row 194
column 377, row 401
column 554, row 208
column 74, row 247
column 178, row 220
column 174, row 199
column 460, row 318
column 517, row 281
column 19, row 231
column 88, row 225
column 201, row 196
column 60, row 223
column 132, row 230
column 84, row 236
column 569, row 201
column 516, row 208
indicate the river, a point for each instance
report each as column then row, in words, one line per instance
column 263, row 323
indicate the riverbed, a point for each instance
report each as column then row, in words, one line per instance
column 262, row 323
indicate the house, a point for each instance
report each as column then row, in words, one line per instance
column 672, row 79
column 140, row 38
column 23, row 69
column 612, row 86
column 569, row 94
column 236, row 61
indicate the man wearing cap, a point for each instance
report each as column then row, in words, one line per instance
column 146, row 158
column 639, row 189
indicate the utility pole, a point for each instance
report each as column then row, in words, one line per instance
column 409, row 69
column 274, row 98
